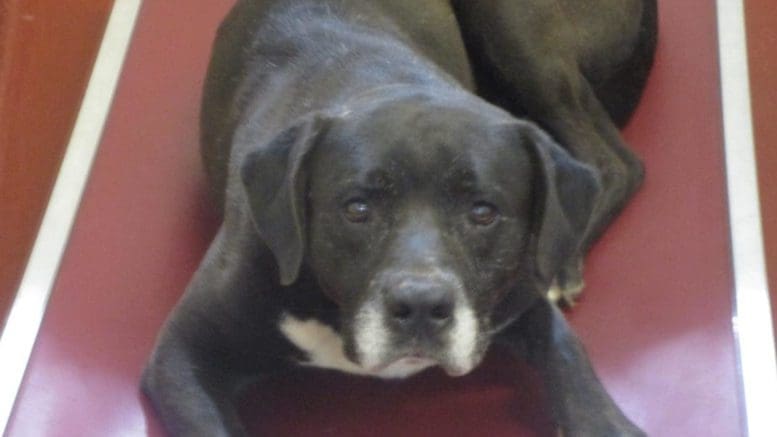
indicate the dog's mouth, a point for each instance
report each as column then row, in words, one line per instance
column 384, row 351
column 417, row 361
column 410, row 359
column 408, row 364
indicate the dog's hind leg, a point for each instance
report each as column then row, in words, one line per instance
column 526, row 55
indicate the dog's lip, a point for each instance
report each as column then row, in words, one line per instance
column 421, row 360
column 456, row 372
column 411, row 359
column 414, row 359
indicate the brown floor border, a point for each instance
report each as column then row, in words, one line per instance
column 29, row 306
column 45, row 61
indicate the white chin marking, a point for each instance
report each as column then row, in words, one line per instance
column 463, row 340
column 370, row 336
column 324, row 348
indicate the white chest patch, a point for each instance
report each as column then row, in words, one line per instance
column 324, row 348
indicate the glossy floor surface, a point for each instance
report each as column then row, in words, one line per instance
column 656, row 316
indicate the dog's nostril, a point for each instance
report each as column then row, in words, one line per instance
column 441, row 312
column 420, row 307
column 401, row 311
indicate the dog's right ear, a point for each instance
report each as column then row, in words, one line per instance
column 274, row 179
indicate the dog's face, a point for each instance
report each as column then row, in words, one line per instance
column 419, row 218
column 424, row 221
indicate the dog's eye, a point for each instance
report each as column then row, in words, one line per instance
column 483, row 213
column 357, row 211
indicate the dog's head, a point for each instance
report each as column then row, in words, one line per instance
column 430, row 222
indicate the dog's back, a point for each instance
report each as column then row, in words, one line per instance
column 432, row 30
column 310, row 40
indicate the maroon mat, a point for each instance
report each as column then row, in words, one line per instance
column 656, row 316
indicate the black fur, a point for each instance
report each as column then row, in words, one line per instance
column 377, row 154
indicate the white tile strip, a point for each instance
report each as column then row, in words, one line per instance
column 752, row 319
column 29, row 306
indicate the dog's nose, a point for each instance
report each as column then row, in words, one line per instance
column 420, row 306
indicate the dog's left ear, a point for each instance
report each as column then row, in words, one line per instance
column 274, row 179
column 569, row 191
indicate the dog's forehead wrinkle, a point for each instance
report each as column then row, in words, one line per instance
column 424, row 273
column 394, row 155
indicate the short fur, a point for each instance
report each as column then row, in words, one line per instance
column 387, row 204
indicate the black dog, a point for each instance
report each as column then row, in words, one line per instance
column 381, row 218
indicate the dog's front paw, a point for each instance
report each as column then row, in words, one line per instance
column 568, row 284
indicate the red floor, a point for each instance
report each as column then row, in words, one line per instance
column 656, row 316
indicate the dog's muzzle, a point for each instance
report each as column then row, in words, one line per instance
column 419, row 318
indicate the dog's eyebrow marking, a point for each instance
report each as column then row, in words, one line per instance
column 379, row 180
column 460, row 180
column 374, row 183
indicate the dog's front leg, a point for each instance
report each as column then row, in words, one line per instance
column 219, row 335
column 192, row 397
column 580, row 404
